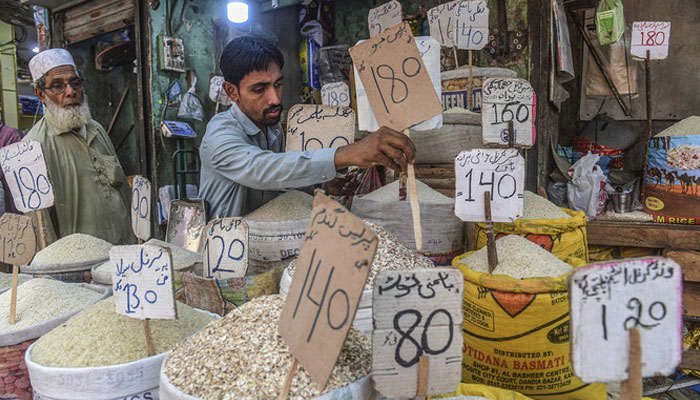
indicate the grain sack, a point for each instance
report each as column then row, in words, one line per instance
column 469, row 391
column 560, row 231
column 443, row 232
column 455, row 86
column 42, row 304
column 6, row 280
column 202, row 367
column 516, row 331
column 99, row 354
column 69, row 259
column 391, row 254
column 276, row 229
column 672, row 178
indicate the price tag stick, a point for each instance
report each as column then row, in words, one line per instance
column 454, row 52
column 149, row 338
column 632, row 387
column 490, row 237
column 423, row 363
column 471, row 83
column 647, row 76
column 13, row 295
column 284, row 394
column 413, row 198
column 41, row 229
column 511, row 135
column 402, row 187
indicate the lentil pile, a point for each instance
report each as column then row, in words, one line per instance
column 287, row 206
column 426, row 194
column 6, row 279
column 98, row 336
column 391, row 255
column 518, row 258
column 73, row 249
column 40, row 300
column 243, row 354
column 537, row 207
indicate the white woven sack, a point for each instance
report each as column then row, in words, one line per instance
column 6, row 288
column 33, row 332
column 275, row 240
column 361, row 389
column 61, row 267
column 137, row 380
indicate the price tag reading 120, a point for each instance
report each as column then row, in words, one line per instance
column 417, row 313
column 143, row 282
column 226, row 248
column 331, row 271
column 141, row 207
column 498, row 171
column 610, row 298
column 25, row 172
column 17, row 239
column 505, row 100
column 314, row 126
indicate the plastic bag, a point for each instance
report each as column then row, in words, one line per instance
column 217, row 92
column 610, row 21
column 586, row 190
column 190, row 106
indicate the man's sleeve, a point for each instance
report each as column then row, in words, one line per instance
column 250, row 166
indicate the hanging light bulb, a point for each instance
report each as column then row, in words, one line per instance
column 237, row 12
column 35, row 49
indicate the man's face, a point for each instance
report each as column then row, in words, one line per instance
column 56, row 78
column 259, row 95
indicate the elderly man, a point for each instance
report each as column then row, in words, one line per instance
column 243, row 160
column 91, row 191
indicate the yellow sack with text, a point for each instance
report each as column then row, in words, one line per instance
column 488, row 392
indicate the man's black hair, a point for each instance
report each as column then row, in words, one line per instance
column 246, row 54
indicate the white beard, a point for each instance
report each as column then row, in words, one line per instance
column 66, row 119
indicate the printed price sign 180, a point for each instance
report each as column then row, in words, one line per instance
column 141, row 207
column 226, row 248
column 652, row 36
column 331, row 271
column 335, row 94
column 313, row 127
column 143, row 282
column 417, row 313
column 505, row 100
column 610, row 298
column 498, row 171
column 25, row 171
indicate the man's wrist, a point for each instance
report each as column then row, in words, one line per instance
column 341, row 157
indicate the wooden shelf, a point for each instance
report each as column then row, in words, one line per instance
column 644, row 234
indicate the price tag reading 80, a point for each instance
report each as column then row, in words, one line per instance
column 498, row 171
column 25, row 171
column 417, row 313
column 335, row 94
column 610, row 298
column 141, row 207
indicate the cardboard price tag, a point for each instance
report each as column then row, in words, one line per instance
column 472, row 25
column 141, row 207
column 226, row 248
column 498, row 171
column 610, row 298
column 384, row 17
column 335, row 94
column 395, row 79
column 331, row 271
column 313, row 126
column 504, row 100
column 143, row 284
column 417, row 313
column 18, row 240
column 652, row 36
column 441, row 20
column 25, row 172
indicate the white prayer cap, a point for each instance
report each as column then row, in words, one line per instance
column 47, row 60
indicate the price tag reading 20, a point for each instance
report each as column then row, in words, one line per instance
column 395, row 79
column 25, row 172
column 498, row 171
column 331, row 271
column 610, row 298
column 226, row 248
column 143, row 282
column 314, row 126
column 417, row 313
column 505, row 100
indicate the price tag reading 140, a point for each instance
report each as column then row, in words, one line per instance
column 608, row 299
column 417, row 313
column 498, row 171
column 25, row 171
column 226, row 248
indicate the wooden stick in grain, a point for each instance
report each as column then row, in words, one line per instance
column 423, row 363
column 42, row 235
column 284, row 394
column 631, row 388
column 490, row 236
column 13, row 295
column 149, row 338
column 413, row 198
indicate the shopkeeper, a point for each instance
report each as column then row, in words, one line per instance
column 92, row 195
column 243, row 160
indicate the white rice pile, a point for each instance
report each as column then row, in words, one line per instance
column 40, row 300
column 537, row 207
column 687, row 126
column 74, row 248
column 287, row 206
column 426, row 194
column 518, row 258
column 6, row 279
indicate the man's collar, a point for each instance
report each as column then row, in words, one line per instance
column 248, row 125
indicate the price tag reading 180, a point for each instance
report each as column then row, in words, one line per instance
column 650, row 35
column 331, row 271
column 417, row 313
column 25, row 172
column 498, row 171
column 226, row 248
column 608, row 299
column 141, row 207
column 335, row 94
column 314, row 126
column 505, row 100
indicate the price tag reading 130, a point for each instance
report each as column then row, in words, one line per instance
column 498, row 171
column 610, row 298
column 226, row 248
column 25, row 172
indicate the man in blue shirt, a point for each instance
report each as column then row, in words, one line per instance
column 243, row 160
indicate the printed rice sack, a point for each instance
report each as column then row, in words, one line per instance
column 483, row 391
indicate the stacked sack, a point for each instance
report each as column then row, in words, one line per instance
column 69, row 259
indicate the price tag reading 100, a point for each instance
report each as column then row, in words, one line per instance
column 25, row 171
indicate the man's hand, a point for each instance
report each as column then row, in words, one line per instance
column 343, row 186
column 385, row 147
